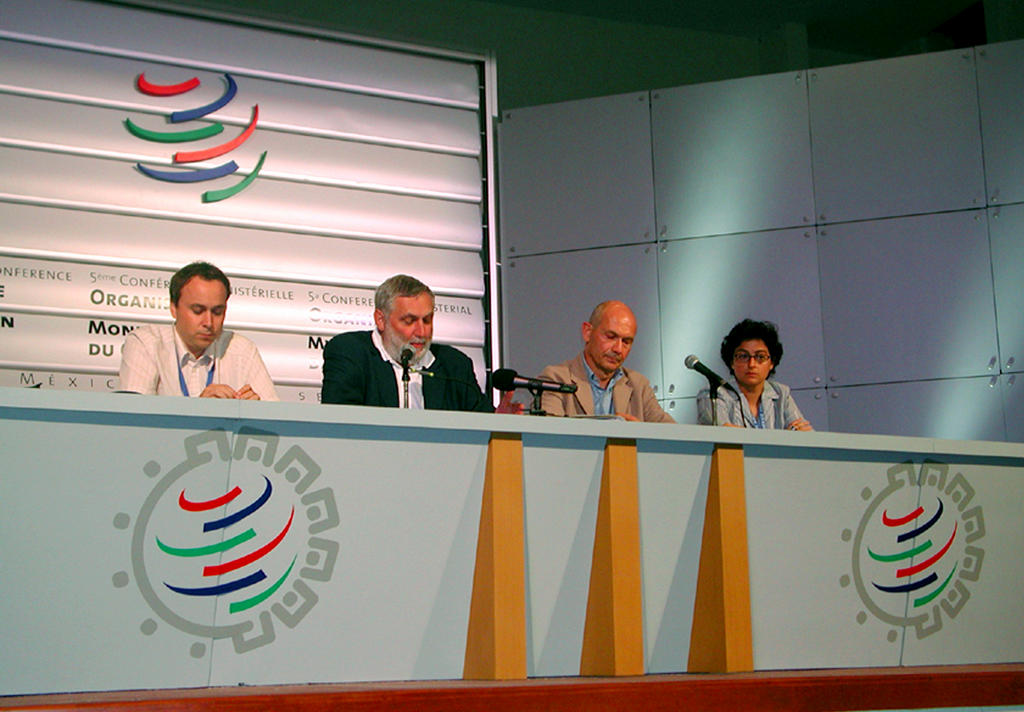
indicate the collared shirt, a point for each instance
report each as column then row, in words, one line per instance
column 415, row 377
column 196, row 372
column 603, row 404
column 152, row 354
column 777, row 407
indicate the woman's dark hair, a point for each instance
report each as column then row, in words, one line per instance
column 749, row 329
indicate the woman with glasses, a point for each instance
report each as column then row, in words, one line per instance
column 752, row 350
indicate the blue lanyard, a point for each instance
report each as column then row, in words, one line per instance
column 181, row 377
column 759, row 421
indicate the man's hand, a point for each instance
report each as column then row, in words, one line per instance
column 218, row 390
column 507, row 406
column 221, row 390
column 247, row 393
column 627, row 416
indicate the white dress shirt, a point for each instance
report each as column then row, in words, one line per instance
column 415, row 378
column 152, row 356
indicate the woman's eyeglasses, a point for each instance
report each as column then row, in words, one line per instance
column 743, row 357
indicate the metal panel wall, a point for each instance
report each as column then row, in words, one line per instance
column 352, row 162
column 732, row 156
column 908, row 279
column 709, row 284
column 1001, row 95
column 908, row 299
column 567, row 194
column 896, row 137
column 1006, row 233
column 957, row 408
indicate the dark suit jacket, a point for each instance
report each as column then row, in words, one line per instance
column 355, row 374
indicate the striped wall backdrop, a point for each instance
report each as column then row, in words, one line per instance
column 309, row 168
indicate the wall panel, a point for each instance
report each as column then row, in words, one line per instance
column 1012, row 386
column 732, row 156
column 356, row 65
column 908, row 299
column 107, row 185
column 98, row 238
column 957, row 408
column 708, row 284
column 896, row 137
column 1006, row 232
column 581, row 174
column 1001, row 98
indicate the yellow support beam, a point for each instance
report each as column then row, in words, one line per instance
column 496, row 636
column 613, row 638
column 721, row 640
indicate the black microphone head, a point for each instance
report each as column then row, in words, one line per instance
column 691, row 361
column 504, row 379
column 406, row 356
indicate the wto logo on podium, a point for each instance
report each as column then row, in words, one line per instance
column 220, row 563
column 915, row 551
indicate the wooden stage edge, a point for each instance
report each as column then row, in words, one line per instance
column 792, row 690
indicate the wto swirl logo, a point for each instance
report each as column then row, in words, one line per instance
column 228, row 546
column 204, row 131
column 230, row 563
column 915, row 551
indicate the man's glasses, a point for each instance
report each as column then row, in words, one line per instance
column 743, row 357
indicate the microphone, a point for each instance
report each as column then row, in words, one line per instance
column 505, row 379
column 406, row 357
column 714, row 380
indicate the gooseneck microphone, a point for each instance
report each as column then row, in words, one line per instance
column 505, row 379
column 714, row 381
column 693, row 363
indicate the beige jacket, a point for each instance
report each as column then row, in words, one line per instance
column 632, row 394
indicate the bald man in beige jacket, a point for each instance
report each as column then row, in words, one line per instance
column 603, row 385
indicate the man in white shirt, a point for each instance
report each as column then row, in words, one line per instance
column 195, row 356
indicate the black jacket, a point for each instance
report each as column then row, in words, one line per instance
column 355, row 374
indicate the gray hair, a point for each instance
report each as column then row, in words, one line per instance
column 400, row 285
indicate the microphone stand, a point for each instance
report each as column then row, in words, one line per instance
column 405, row 386
column 535, row 408
column 714, row 403
column 406, row 357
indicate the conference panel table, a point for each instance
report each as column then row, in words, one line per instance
column 155, row 542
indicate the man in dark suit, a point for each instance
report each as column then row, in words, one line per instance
column 366, row 367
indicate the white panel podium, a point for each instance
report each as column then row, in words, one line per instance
column 155, row 542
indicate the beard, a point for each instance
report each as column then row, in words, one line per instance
column 394, row 345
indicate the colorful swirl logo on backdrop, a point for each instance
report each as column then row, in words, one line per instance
column 205, row 130
column 915, row 552
column 221, row 562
